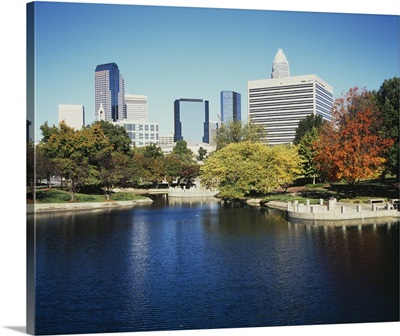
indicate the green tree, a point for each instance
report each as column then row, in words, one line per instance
column 306, row 125
column 241, row 169
column 307, row 153
column 150, row 159
column 182, row 152
column 113, row 169
column 72, row 153
column 172, row 168
column 387, row 99
column 45, row 168
column 238, row 131
column 30, row 166
column 117, row 136
column 201, row 154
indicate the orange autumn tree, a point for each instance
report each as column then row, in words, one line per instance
column 352, row 147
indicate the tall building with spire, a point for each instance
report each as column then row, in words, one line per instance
column 109, row 92
column 280, row 65
column 279, row 103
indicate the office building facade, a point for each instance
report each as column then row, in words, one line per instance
column 191, row 120
column 231, row 106
column 136, row 107
column 109, row 92
column 140, row 133
column 278, row 104
column 166, row 140
column 72, row 115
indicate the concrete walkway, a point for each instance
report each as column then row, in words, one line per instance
column 53, row 207
column 338, row 211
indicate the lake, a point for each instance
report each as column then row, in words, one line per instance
column 176, row 265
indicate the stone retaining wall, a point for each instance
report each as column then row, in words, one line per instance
column 333, row 211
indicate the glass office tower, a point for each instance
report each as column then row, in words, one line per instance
column 231, row 108
column 191, row 120
column 109, row 92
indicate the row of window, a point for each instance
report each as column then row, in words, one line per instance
column 323, row 106
column 141, row 127
column 324, row 97
column 141, row 136
column 145, row 143
column 287, row 109
column 326, row 92
column 291, row 97
column 273, row 88
column 279, row 93
column 290, row 121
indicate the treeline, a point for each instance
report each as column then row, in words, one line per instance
column 361, row 142
column 101, row 155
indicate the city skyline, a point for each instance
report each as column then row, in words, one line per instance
column 218, row 49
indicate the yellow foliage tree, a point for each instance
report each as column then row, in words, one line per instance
column 242, row 169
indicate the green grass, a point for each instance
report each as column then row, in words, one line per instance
column 343, row 192
column 62, row 196
column 288, row 198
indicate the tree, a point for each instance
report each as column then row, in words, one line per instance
column 387, row 99
column 182, row 152
column 241, row 169
column 172, row 168
column 72, row 152
column 307, row 124
column 237, row 131
column 45, row 167
column 188, row 172
column 113, row 168
column 30, row 166
column 151, row 160
column 353, row 146
column 307, row 153
column 201, row 154
column 117, row 136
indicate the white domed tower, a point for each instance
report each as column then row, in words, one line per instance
column 280, row 65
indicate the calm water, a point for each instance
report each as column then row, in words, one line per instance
column 203, row 265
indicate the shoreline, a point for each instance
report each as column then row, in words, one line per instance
column 373, row 217
column 350, row 217
column 79, row 206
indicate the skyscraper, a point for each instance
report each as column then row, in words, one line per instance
column 231, row 108
column 278, row 104
column 280, row 65
column 109, row 92
column 191, row 120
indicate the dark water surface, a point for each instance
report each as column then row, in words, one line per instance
column 204, row 265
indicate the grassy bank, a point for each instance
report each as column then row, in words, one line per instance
column 343, row 192
column 61, row 196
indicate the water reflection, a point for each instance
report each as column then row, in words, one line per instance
column 181, row 264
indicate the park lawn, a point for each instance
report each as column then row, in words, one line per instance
column 361, row 193
column 61, row 196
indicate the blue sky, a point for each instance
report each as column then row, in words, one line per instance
column 168, row 53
